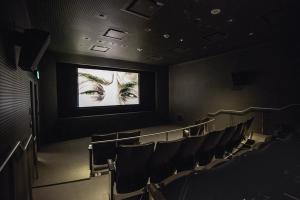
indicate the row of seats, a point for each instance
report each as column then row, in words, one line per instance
column 135, row 164
column 101, row 152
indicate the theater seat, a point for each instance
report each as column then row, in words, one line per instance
column 185, row 158
column 226, row 137
column 235, row 140
column 133, row 141
column 208, row 148
column 130, row 172
column 100, row 152
column 162, row 161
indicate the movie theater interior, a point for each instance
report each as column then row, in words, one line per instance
column 149, row 100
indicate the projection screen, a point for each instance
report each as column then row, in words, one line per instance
column 107, row 88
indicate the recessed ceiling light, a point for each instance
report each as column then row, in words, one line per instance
column 148, row 29
column 251, row 33
column 99, row 48
column 215, row 11
column 102, row 16
column 139, row 49
column 230, row 20
column 166, row 35
column 181, row 40
column 86, row 38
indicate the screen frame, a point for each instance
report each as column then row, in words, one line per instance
column 107, row 68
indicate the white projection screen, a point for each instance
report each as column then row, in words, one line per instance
column 107, row 88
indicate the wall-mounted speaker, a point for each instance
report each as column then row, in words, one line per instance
column 33, row 45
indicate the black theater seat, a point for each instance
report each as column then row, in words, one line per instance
column 185, row 159
column 101, row 152
column 130, row 172
column 208, row 148
column 226, row 138
column 162, row 162
column 129, row 134
column 235, row 140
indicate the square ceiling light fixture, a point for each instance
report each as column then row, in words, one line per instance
column 115, row 34
column 99, row 48
column 144, row 8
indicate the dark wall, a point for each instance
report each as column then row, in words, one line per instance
column 203, row 86
column 57, row 127
column 15, row 106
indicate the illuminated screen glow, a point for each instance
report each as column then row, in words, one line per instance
column 107, row 88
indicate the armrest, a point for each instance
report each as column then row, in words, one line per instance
column 111, row 165
column 185, row 133
column 155, row 193
column 90, row 148
column 112, row 170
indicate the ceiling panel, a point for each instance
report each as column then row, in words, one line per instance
column 136, row 30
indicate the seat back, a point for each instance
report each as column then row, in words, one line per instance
column 227, row 135
column 207, row 151
column 236, row 137
column 132, row 167
column 110, row 136
column 104, row 151
column 247, row 125
column 212, row 140
column 224, row 141
column 162, row 161
column 186, row 156
column 133, row 141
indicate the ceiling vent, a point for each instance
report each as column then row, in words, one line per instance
column 99, row 48
column 115, row 34
column 144, row 8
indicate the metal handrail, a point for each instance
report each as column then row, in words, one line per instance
column 153, row 134
column 250, row 109
column 14, row 149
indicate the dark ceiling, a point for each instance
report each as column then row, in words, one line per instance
column 160, row 31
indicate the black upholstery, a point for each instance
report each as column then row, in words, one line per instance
column 226, row 138
column 127, row 135
column 208, row 148
column 104, row 151
column 185, row 159
column 132, row 167
column 162, row 161
column 235, row 140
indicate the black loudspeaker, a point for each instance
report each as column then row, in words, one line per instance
column 33, row 44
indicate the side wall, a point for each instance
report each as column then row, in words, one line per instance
column 15, row 107
column 203, row 86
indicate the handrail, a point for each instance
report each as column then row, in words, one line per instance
column 12, row 152
column 153, row 134
column 250, row 109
